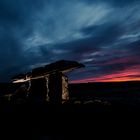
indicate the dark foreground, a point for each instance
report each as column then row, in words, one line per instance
column 94, row 110
column 67, row 122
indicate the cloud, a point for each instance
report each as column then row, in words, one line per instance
column 114, row 3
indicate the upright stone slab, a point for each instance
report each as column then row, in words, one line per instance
column 55, row 88
column 38, row 90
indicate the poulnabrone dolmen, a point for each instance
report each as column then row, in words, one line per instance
column 48, row 83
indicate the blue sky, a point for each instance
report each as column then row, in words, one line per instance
column 102, row 34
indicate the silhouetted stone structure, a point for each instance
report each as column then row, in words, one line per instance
column 48, row 83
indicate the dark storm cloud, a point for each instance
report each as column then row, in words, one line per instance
column 13, row 27
column 102, row 34
column 77, row 49
column 113, row 2
column 134, row 47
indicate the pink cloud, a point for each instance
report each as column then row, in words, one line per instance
column 124, row 60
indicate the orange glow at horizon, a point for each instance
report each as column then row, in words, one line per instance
column 132, row 74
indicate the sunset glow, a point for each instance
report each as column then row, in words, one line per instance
column 132, row 74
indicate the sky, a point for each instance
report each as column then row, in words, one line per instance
column 104, row 35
